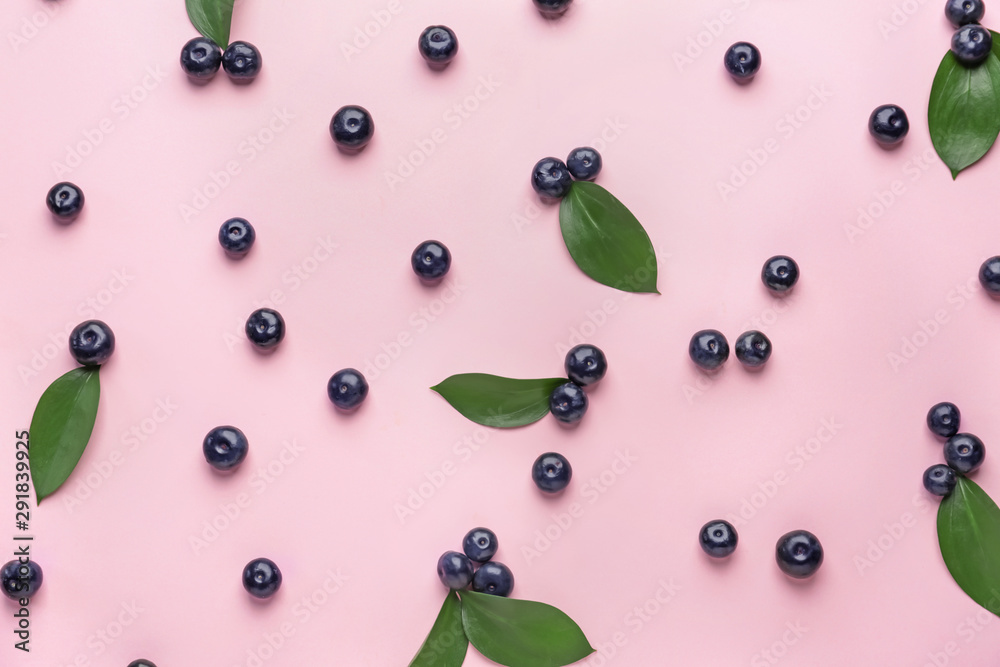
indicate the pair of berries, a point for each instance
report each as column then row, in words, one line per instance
column 458, row 570
column 798, row 553
column 201, row 58
column 964, row 453
column 709, row 349
column 552, row 178
column 585, row 366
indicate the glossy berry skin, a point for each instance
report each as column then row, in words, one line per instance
column 568, row 403
column 718, row 538
column 944, row 419
column 964, row 12
column 347, row 389
column 438, row 45
column 480, row 544
column 888, row 125
column 65, row 201
column 551, row 472
column 225, row 447
column 779, row 275
column 92, row 343
column 742, row 60
column 454, row 570
column 236, row 236
column 141, row 663
column 584, row 163
column 551, row 178
column 493, row 579
column 708, row 349
column 261, row 578
column 753, row 349
column 586, row 365
column 20, row 580
column 352, row 128
column 552, row 8
column 430, row 261
column 799, row 554
column 201, row 58
column 971, row 44
column 265, row 328
column 940, row 480
column 964, row 453
column 242, row 62
column 989, row 276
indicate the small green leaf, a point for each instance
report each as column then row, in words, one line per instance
column 212, row 18
column 446, row 644
column 497, row 401
column 605, row 239
column 61, row 427
column 964, row 110
column 519, row 633
column 969, row 534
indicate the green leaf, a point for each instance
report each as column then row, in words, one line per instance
column 497, row 401
column 519, row 633
column 61, row 427
column 212, row 18
column 446, row 644
column 969, row 534
column 605, row 239
column 964, row 110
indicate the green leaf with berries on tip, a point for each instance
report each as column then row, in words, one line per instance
column 964, row 110
column 497, row 401
column 969, row 534
column 212, row 18
column 521, row 633
column 605, row 240
column 61, row 427
column 446, row 644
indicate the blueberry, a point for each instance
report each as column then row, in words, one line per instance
column 225, row 447
column 430, row 261
column 480, row 544
column 742, row 60
column 92, row 343
column 888, row 124
column 568, row 403
column 753, row 349
column 65, row 200
column 493, row 579
column 943, row 419
column 971, row 44
column 438, row 45
column 586, row 364
column 584, row 163
column 347, row 389
column 265, row 328
column 940, row 480
column 20, row 580
column 552, row 8
column 242, row 62
column 454, row 570
column 963, row 12
column 551, row 178
column 708, row 349
column 141, row 663
column 551, row 472
column 780, row 273
column 352, row 128
column 964, row 452
column 718, row 538
column 236, row 237
column 261, row 578
column 799, row 554
column 989, row 276
column 201, row 58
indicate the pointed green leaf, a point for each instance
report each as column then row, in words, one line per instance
column 61, row 427
column 520, row 633
column 605, row 239
column 497, row 401
column 964, row 110
column 212, row 18
column 969, row 534
column 446, row 644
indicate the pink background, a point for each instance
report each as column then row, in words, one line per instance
column 73, row 81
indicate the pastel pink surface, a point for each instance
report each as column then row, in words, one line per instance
column 364, row 504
